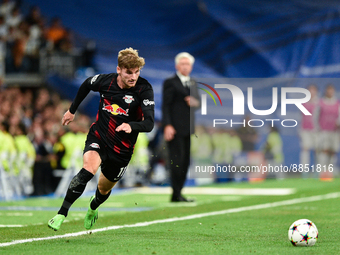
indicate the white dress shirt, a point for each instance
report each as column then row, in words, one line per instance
column 184, row 79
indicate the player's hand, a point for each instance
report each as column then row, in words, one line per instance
column 191, row 101
column 67, row 118
column 169, row 133
column 124, row 127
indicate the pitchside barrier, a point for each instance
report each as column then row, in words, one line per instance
column 13, row 185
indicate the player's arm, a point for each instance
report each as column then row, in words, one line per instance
column 148, row 109
column 85, row 88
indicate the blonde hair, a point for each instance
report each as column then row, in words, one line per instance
column 128, row 58
column 184, row 55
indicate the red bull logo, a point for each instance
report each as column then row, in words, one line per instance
column 115, row 109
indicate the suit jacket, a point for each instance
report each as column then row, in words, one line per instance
column 175, row 110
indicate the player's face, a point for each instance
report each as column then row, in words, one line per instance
column 127, row 78
column 184, row 66
column 313, row 91
column 330, row 92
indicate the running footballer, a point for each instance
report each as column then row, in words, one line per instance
column 126, row 108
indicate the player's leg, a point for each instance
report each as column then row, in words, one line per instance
column 306, row 141
column 326, row 155
column 77, row 186
column 331, row 168
column 103, row 191
column 102, row 194
column 112, row 170
column 323, row 148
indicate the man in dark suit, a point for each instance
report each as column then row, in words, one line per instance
column 180, row 100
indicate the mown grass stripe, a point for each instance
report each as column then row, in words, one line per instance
column 189, row 217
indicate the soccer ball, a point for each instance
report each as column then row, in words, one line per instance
column 303, row 233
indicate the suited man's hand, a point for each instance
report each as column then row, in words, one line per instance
column 169, row 133
column 191, row 101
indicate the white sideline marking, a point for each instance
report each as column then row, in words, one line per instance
column 17, row 214
column 219, row 191
column 189, row 217
column 12, row 226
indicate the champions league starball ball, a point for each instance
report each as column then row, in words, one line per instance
column 303, row 233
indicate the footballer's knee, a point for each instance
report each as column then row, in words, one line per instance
column 91, row 161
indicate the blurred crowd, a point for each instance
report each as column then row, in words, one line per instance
column 35, row 149
column 24, row 35
column 36, row 115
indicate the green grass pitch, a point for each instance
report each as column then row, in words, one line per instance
column 246, row 230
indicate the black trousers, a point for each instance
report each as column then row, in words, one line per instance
column 179, row 157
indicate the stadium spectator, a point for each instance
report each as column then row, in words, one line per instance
column 14, row 19
column 35, row 43
column 248, row 136
column 59, row 152
column 235, row 146
column 202, row 146
column 5, row 109
column 7, row 148
column 65, row 44
column 308, row 135
column 25, row 159
column 6, row 7
column 56, row 31
column 73, row 145
column 328, row 119
column 180, row 99
column 34, row 16
column 42, row 170
column 273, row 150
column 41, row 101
column 3, row 30
column 19, row 37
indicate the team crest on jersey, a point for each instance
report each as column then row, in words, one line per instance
column 95, row 145
column 128, row 99
column 94, row 78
